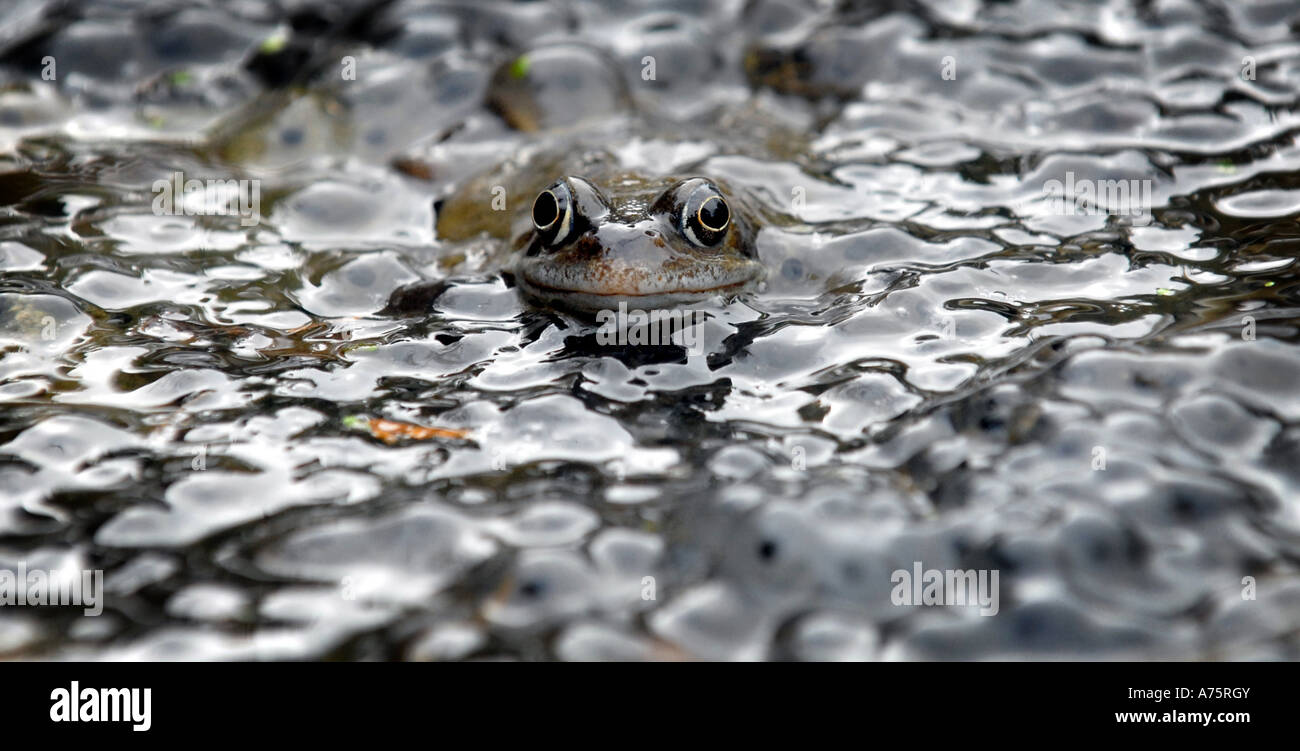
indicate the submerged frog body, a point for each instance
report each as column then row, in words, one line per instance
column 595, row 236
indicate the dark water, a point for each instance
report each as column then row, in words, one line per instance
column 948, row 366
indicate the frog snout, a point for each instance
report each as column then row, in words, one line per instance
column 633, row 244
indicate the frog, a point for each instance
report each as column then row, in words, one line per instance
column 642, row 242
column 593, row 234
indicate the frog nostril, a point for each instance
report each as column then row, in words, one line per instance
column 587, row 246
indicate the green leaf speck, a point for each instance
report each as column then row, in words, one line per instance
column 519, row 68
column 274, row 43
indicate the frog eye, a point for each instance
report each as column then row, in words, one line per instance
column 546, row 210
column 705, row 216
column 565, row 210
column 553, row 213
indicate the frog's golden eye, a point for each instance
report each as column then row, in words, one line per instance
column 553, row 213
column 546, row 210
column 705, row 216
column 564, row 211
column 714, row 214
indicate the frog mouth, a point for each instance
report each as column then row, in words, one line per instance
column 620, row 292
column 595, row 287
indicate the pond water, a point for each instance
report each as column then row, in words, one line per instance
column 1031, row 312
